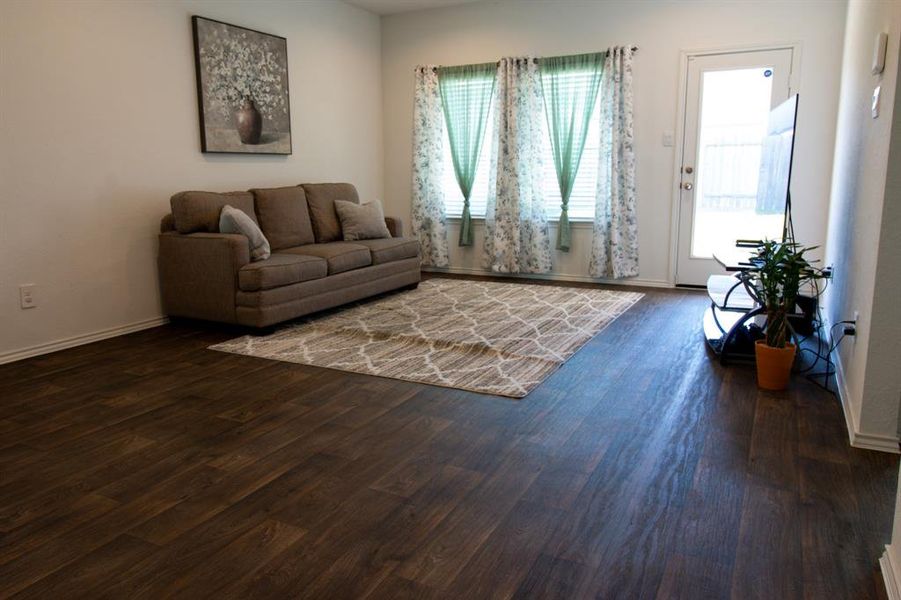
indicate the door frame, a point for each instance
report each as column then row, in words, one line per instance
column 679, row 137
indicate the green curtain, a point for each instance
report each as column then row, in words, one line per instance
column 570, row 87
column 466, row 96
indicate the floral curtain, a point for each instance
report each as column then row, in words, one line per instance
column 429, row 221
column 516, row 229
column 614, row 246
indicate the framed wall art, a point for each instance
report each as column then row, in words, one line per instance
column 242, row 89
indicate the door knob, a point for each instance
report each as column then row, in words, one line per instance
column 687, row 186
column 689, row 170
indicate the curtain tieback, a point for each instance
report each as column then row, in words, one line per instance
column 466, row 233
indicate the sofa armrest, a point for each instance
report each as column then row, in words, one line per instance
column 395, row 226
column 199, row 274
column 167, row 223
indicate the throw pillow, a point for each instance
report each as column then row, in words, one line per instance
column 232, row 220
column 361, row 221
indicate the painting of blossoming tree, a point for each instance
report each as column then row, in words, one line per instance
column 242, row 89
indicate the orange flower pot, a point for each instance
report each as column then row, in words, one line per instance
column 774, row 365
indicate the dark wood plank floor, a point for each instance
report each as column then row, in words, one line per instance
column 147, row 466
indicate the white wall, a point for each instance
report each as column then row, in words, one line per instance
column 99, row 126
column 864, row 225
column 488, row 30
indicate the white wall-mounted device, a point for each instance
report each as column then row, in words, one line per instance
column 668, row 138
column 874, row 108
column 879, row 53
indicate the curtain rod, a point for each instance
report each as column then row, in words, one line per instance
column 536, row 59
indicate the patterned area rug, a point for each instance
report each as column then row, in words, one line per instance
column 493, row 338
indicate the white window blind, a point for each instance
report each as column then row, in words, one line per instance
column 581, row 201
column 453, row 197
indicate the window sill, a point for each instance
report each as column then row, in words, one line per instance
column 574, row 223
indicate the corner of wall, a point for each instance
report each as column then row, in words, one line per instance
column 867, row 377
column 856, row 437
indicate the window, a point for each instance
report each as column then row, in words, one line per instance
column 453, row 197
column 581, row 201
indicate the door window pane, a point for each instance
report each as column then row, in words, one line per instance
column 735, row 107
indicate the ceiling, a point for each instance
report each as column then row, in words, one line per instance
column 392, row 7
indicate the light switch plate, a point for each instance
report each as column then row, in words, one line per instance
column 668, row 139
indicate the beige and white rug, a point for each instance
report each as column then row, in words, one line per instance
column 493, row 338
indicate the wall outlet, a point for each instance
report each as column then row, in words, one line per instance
column 27, row 296
column 850, row 329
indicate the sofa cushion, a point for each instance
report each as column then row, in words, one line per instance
column 283, row 216
column 279, row 270
column 321, row 201
column 340, row 256
column 199, row 211
column 333, row 286
column 391, row 249
column 395, row 226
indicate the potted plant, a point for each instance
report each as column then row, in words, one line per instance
column 780, row 269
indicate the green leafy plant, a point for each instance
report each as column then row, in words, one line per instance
column 781, row 269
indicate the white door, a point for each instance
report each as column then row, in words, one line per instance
column 728, row 98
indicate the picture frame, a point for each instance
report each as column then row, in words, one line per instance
column 242, row 89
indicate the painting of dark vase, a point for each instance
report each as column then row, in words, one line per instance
column 242, row 89
column 249, row 123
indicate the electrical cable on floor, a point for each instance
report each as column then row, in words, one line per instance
column 831, row 346
column 825, row 346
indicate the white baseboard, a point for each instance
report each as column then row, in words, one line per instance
column 656, row 283
column 80, row 340
column 858, row 438
column 891, row 575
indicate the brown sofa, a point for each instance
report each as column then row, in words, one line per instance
column 208, row 275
